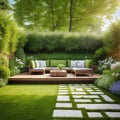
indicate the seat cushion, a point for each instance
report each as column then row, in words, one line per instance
column 88, row 63
column 81, row 68
column 80, row 64
column 32, row 64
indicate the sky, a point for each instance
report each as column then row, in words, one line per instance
column 11, row 1
column 107, row 23
column 116, row 16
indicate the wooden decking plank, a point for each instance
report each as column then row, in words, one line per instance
column 71, row 78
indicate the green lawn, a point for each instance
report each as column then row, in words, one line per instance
column 27, row 102
column 61, row 56
column 35, row 102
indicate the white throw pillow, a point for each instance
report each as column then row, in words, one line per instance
column 38, row 63
column 80, row 63
column 73, row 63
column 43, row 63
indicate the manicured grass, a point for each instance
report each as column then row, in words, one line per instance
column 72, row 56
column 27, row 102
column 36, row 102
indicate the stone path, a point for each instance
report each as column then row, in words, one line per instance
column 74, row 99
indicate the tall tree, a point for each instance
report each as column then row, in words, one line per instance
column 55, row 14
column 4, row 5
column 66, row 15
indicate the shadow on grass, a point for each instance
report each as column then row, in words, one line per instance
column 33, row 107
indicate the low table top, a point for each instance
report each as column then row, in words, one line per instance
column 58, row 71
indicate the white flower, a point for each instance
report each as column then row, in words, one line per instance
column 115, row 65
column 113, row 74
column 117, row 75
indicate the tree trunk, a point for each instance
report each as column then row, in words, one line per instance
column 71, row 15
column 35, row 26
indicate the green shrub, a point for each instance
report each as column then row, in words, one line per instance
column 65, row 42
column 20, row 54
column 15, row 66
column 3, row 60
column 105, row 81
column 105, row 64
column 2, row 82
column 4, row 72
column 112, row 36
column 108, row 78
column 99, row 54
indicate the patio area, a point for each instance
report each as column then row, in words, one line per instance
column 45, row 78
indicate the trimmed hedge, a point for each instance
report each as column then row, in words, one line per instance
column 65, row 42
column 59, row 56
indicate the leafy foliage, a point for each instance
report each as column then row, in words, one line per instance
column 105, row 81
column 100, row 54
column 4, row 72
column 105, row 64
column 15, row 66
column 112, row 37
column 65, row 15
column 109, row 78
column 3, row 60
column 8, row 34
column 50, row 42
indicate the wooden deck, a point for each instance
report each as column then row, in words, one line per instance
column 71, row 78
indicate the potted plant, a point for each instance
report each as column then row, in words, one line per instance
column 60, row 66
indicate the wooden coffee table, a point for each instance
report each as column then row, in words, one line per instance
column 58, row 73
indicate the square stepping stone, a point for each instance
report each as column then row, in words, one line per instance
column 63, row 98
column 94, row 114
column 67, row 113
column 85, row 96
column 107, row 98
column 63, row 90
column 99, row 106
column 64, row 105
column 79, row 89
column 97, row 93
column 113, row 114
column 97, row 100
column 82, row 100
column 78, row 93
column 96, row 88
column 90, row 90
column 63, row 93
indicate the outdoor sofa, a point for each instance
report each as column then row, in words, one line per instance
column 74, row 66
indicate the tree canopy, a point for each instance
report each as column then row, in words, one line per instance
column 63, row 15
column 9, row 30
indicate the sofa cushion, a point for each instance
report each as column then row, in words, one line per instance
column 80, row 64
column 54, row 63
column 32, row 64
column 37, row 63
column 73, row 63
column 81, row 69
column 88, row 63
column 42, row 63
